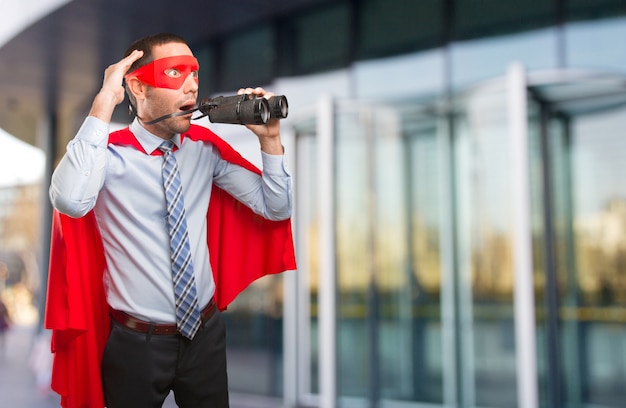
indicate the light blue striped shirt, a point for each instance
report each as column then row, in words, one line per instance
column 124, row 187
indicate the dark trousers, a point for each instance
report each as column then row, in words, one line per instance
column 139, row 369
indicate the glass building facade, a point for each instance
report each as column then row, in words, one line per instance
column 460, row 216
column 459, row 173
column 460, row 204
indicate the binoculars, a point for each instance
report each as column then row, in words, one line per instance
column 244, row 109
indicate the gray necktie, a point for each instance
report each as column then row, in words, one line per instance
column 187, row 312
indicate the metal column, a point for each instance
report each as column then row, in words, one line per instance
column 327, row 285
column 525, row 336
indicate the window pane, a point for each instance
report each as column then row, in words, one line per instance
column 206, row 58
column 590, row 9
column 354, row 343
column 390, row 27
column 487, row 58
column 254, row 346
column 582, row 39
column 485, row 257
column 248, row 59
column 481, row 18
column 389, row 327
column 322, row 39
column 589, row 222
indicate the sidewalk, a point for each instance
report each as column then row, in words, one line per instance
column 18, row 382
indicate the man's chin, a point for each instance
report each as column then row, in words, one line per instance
column 185, row 127
column 181, row 124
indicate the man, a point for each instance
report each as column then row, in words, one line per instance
column 149, row 188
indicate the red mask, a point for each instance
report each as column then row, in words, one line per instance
column 169, row 72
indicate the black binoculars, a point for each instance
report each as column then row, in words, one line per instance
column 244, row 109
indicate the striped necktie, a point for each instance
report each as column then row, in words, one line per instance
column 187, row 312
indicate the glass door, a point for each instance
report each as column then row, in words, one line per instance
column 484, row 249
column 388, row 330
column 410, row 249
column 580, row 202
column 577, row 229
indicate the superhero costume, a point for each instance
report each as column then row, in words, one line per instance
column 243, row 247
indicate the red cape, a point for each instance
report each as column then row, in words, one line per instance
column 243, row 246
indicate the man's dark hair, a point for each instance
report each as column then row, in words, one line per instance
column 147, row 44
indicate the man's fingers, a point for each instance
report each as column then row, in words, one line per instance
column 131, row 58
column 124, row 64
column 256, row 91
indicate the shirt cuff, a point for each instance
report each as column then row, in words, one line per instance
column 274, row 165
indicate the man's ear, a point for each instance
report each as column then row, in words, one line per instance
column 137, row 88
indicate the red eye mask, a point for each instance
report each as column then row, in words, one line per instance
column 169, row 72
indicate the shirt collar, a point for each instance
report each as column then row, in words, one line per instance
column 149, row 141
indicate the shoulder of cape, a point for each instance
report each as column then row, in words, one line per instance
column 124, row 137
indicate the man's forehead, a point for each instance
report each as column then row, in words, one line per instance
column 170, row 50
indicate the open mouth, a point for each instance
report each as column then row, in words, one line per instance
column 188, row 108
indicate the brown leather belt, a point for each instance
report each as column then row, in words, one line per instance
column 132, row 323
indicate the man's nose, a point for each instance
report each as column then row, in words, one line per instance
column 191, row 83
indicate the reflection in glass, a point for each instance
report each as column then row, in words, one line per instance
column 484, row 249
column 254, row 342
column 599, row 227
column 482, row 59
column 391, row 336
column 582, row 39
column 586, row 237
column 388, row 261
